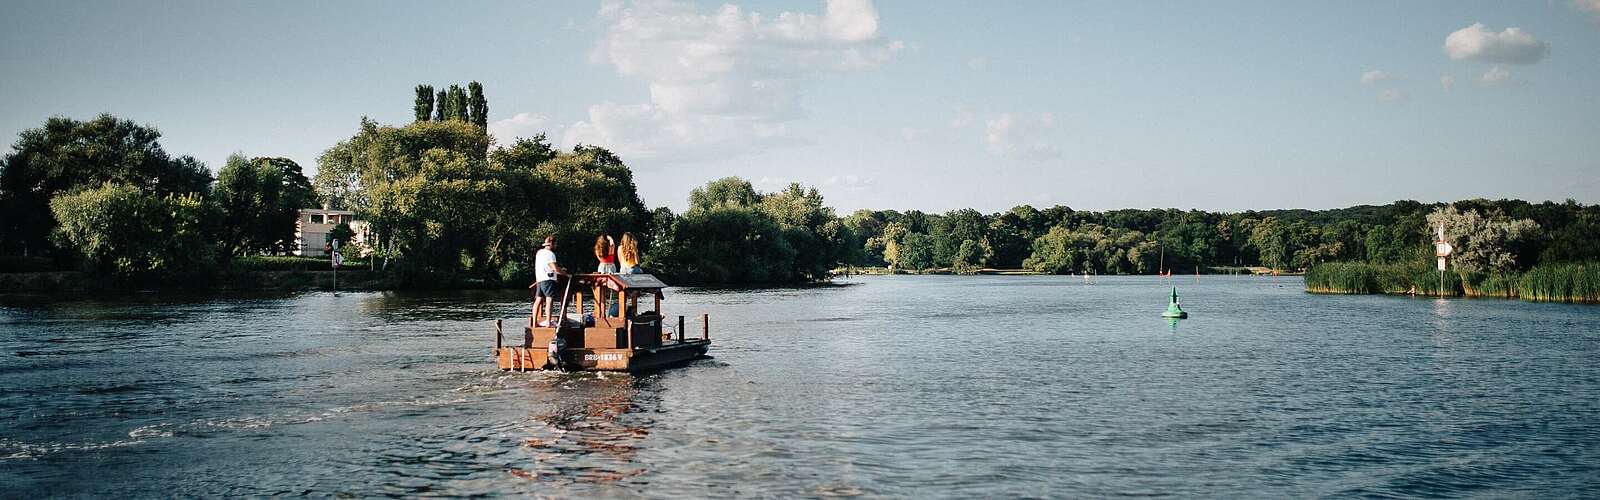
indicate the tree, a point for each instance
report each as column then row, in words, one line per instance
column 423, row 108
column 66, row 154
column 477, row 105
column 893, row 234
column 1271, row 239
column 441, row 101
column 915, row 252
column 1009, row 235
column 457, row 109
column 731, row 233
column 970, row 257
column 953, row 228
column 727, row 191
column 809, row 227
column 133, row 232
column 525, row 153
column 866, row 226
column 260, row 199
column 425, row 188
column 1483, row 243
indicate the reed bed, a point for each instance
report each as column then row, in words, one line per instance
column 1561, row 283
column 1366, row 278
column 1569, row 282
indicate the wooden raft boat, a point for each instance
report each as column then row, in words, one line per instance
column 631, row 340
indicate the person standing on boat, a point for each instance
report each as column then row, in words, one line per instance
column 605, row 251
column 547, row 272
column 628, row 253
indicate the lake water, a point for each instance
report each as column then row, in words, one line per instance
column 927, row 386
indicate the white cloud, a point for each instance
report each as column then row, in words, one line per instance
column 1020, row 136
column 1495, row 77
column 1392, row 95
column 727, row 79
column 522, row 125
column 1375, row 76
column 1447, row 81
column 1590, row 6
column 978, row 63
column 1511, row 46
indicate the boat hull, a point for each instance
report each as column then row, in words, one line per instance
column 604, row 359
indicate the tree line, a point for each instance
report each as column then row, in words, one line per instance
column 1061, row 240
column 444, row 198
column 454, row 103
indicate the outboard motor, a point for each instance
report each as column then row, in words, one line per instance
column 555, row 348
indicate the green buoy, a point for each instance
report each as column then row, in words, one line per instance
column 1173, row 311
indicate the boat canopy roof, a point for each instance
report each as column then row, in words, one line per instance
column 626, row 282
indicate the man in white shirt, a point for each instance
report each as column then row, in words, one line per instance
column 546, row 272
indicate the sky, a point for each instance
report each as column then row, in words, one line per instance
column 927, row 105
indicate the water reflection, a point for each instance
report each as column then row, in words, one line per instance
column 592, row 430
column 900, row 386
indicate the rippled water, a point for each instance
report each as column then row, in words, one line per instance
column 879, row 386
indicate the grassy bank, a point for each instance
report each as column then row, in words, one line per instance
column 1543, row 283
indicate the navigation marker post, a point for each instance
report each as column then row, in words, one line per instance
column 337, row 259
column 1441, row 249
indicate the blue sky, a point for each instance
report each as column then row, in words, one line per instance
column 906, row 105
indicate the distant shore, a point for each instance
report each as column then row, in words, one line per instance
column 881, row 271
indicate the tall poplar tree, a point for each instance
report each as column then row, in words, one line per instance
column 477, row 105
column 441, row 100
column 458, row 104
column 424, row 104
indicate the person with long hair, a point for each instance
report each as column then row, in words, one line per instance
column 605, row 251
column 628, row 253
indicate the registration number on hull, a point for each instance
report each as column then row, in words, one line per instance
column 604, row 356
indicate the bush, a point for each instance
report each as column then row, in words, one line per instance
column 291, row 263
column 131, row 232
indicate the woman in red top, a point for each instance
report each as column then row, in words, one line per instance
column 605, row 251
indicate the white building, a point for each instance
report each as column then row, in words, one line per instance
column 312, row 228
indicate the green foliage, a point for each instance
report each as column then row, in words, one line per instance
column 970, row 257
column 1092, row 248
column 456, row 104
column 477, row 105
column 1487, row 243
column 260, row 199
column 1271, row 240
column 1417, row 277
column 1568, row 282
column 915, row 252
column 435, row 196
column 1561, row 282
column 341, row 233
column 439, row 102
column 67, row 154
column 575, row 196
column 290, row 263
column 733, row 234
column 423, row 107
column 132, row 232
column 724, row 192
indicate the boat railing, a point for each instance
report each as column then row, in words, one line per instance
column 563, row 305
